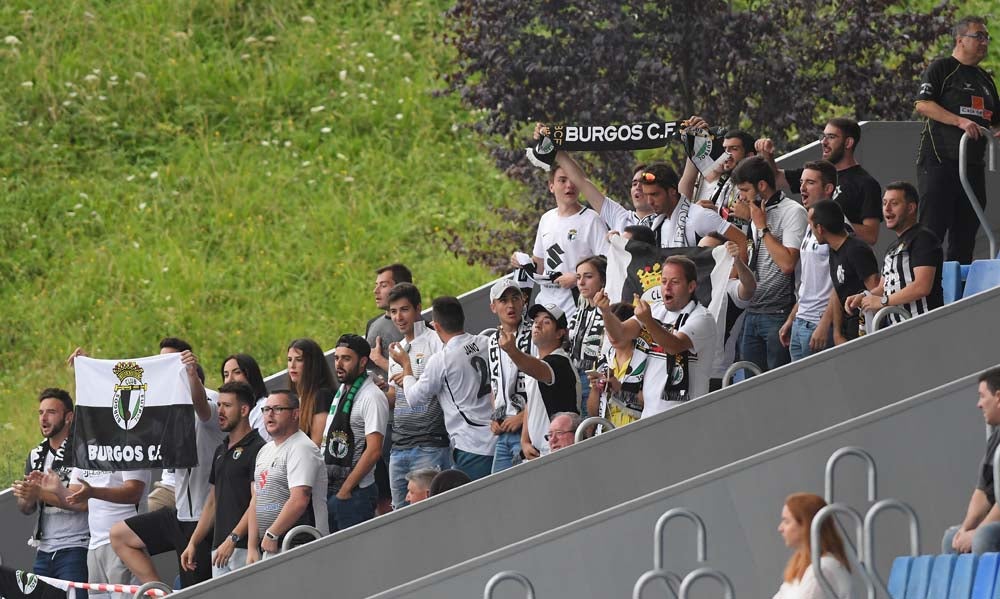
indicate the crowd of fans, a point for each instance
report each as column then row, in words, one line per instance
column 416, row 408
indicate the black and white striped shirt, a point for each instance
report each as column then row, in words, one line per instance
column 917, row 246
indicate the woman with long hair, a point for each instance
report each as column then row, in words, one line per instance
column 800, row 582
column 314, row 383
column 243, row 368
column 586, row 327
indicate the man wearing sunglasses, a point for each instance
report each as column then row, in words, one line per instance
column 956, row 98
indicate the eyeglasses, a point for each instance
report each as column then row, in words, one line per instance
column 829, row 137
column 265, row 410
column 549, row 435
column 982, row 36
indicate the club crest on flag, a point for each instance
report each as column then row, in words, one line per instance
column 26, row 581
column 130, row 394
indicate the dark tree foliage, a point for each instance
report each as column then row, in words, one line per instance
column 778, row 68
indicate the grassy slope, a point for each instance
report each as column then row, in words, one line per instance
column 228, row 172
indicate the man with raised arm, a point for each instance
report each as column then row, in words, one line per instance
column 857, row 192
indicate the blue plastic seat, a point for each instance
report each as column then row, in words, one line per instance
column 941, row 574
column 961, row 577
column 920, row 577
column 951, row 281
column 983, row 275
column 897, row 576
column 986, row 576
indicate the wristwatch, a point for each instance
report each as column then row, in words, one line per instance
column 270, row 535
column 885, row 300
column 235, row 538
column 765, row 231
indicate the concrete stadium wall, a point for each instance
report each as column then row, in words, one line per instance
column 932, row 467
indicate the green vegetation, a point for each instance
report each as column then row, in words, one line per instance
column 230, row 172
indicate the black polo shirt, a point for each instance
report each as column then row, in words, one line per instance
column 232, row 475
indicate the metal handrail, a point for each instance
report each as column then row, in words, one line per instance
column 140, row 593
column 659, row 555
column 869, row 531
column 727, row 378
column 831, row 466
column 727, row 585
column 816, row 549
column 963, row 175
column 672, row 581
column 509, row 575
column 298, row 530
column 488, row 332
column 589, row 421
column 888, row 311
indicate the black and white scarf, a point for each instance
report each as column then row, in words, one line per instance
column 680, row 240
column 678, row 374
column 586, row 330
column 41, row 453
column 502, row 382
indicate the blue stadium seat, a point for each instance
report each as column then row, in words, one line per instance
column 919, row 579
column 983, row 275
column 897, row 576
column 961, row 578
column 986, row 576
column 951, row 281
column 941, row 573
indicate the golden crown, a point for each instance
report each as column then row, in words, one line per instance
column 649, row 276
column 124, row 370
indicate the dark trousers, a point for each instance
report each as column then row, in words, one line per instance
column 944, row 207
column 64, row 564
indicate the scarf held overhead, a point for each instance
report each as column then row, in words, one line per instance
column 702, row 146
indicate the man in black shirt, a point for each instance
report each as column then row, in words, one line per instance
column 552, row 384
column 956, row 97
column 857, row 192
column 911, row 272
column 230, row 480
column 980, row 530
column 853, row 266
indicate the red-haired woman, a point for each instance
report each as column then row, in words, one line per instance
column 800, row 582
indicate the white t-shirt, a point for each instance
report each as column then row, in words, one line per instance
column 458, row 377
column 256, row 418
column 617, row 217
column 191, row 490
column 808, row 587
column 279, row 468
column 699, row 326
column 698, row 222
column 815, row 284
column 102, row 515
column 561, row 242
column 725, row 348
column 370, row 414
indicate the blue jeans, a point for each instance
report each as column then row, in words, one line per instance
column 986, row 539
column 474, row 465
column 64, row 564
column 802, row 331
column 348, row 512
column 508, row 449
column 403, row 460
column 760, row 343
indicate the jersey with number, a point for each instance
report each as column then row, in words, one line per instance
column 561, row 242
column 458, row 377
